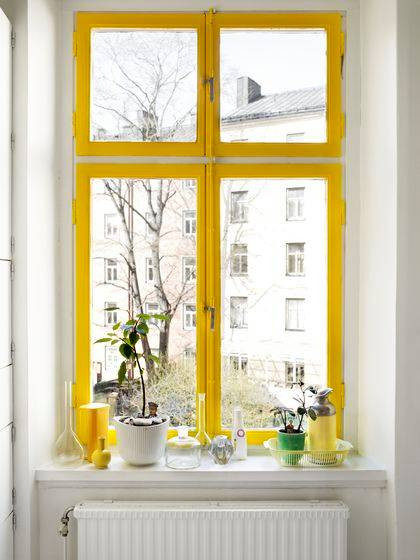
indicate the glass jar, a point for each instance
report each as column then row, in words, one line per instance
column 183, row 451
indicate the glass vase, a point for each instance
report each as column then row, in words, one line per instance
column 68, row 449
column 202, row 436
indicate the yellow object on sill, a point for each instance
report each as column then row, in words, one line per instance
column 94, row 420
column 101, row 457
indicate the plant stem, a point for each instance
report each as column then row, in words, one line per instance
column 143, row 388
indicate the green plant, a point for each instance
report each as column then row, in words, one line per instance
column 128, row 335
column 290, row 417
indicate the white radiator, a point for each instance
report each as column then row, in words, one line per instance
column 310, row 530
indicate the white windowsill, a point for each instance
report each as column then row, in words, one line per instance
column 258, row 471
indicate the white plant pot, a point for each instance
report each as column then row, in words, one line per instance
column 141, row 445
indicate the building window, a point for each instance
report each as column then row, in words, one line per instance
column 295, row 311
column 189, row 273
column 111, row 270
column 149, row 270
column 189, row 316
column 238, row 312
column 189, row 183
column 111, row 313
column 112, row 359
column 295, row 259
column 189, row 355
column 239, row 259
column 295, row 204
column 111, row 226
column 189, row 222
column 239, row 207
column 294, row 372
column 152, row 308
column 293, row 137
column 238, row 362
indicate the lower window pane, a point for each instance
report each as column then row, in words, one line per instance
column 274, row 293
column 143, row 259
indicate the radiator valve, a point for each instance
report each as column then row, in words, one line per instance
column 64, row 522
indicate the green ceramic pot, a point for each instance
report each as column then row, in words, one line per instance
column 291, row 442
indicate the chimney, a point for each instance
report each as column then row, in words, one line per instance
column 247, row 91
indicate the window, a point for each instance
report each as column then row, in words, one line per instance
column 239, row 207
column 112, row 361
column 189, row 269
column 238, row 312
column 189, row 222
column 295, row 314
column 295, row 204
column 295, row 259
column 295, row 372
column 189, row 355
column 152, row 309
column 189, row 317
column 111, row 226
column 239, row 259
column 239, row 362
column 276, row 92
column 149, row 269
column 111, row 270
column 111, row 313
column 295, row 137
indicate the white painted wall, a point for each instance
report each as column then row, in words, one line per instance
column 407, row 450
column 34, row 226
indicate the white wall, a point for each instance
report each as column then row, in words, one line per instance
column 407, row 451
column 34, row 226
column 378, row 229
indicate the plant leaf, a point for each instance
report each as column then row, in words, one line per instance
column 133, row 337
column 116, row 326
column 122, row 373
column 130, row 322
column 154, row 358
column 125, row 350
column 116, row 341
column 312, row 414
column 160, row 317
column 102, row 340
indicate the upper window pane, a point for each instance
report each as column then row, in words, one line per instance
column 273, row 85
column 143, row 85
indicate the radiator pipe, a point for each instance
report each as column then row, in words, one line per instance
column 65, row 518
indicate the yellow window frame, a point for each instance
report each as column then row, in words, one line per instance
column 208, row 273
column 85, row 22
column 208, row 28
column 85, row 172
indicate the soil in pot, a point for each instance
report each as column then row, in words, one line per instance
column 291, row 441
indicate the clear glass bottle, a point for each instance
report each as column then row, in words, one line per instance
column 68, row 449
column 202, row 436
column 183, row 451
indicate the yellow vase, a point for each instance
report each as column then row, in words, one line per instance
column 94, row 423
column 101, row 457
column 322, row 432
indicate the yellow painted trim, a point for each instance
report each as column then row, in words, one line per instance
column 332, row 174
column 84, row 173
column 85, row 22
column 331, row 22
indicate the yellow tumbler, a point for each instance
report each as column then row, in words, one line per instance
column 94, row 421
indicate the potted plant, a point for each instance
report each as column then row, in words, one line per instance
column 141, row 433
column 291, row 435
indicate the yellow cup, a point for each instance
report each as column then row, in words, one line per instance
column 94, row 421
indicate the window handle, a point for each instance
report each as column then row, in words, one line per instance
column 212, row 311
column 210, row 81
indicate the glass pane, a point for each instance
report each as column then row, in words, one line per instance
column 143, row 85
column 150, row 269
column 273, row 85
column 274, row 300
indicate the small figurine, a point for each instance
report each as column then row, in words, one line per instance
column 221, row 449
